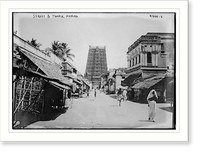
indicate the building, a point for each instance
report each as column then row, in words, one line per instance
column 151, row 53
column 111, row 81
column 149, row 56
column 167, row 41
column 120, row 75
column 41, row 82
column 39, row 88
column 96, row 65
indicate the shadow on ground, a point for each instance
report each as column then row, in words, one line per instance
column 113, row 96
column 53, row 115
column 145, row 121
column 169, row 109
column 27, row 118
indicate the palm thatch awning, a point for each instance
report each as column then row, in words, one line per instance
column 51, row 70
column 131, row 79
column 147, row 83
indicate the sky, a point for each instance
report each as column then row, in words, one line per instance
column 116, row 31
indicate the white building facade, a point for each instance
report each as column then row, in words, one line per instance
column 151, row 53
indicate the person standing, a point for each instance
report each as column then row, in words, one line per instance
column 95, row 93
column 92, row 95
column 152, row 99
column 69, row 94
column 125, row 94
column 88, row 93
column 66, row 100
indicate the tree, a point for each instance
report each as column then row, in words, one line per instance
column 34, row 43
column 61, row 50
column 67, row 51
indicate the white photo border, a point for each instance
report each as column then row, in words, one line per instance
column 181, row 132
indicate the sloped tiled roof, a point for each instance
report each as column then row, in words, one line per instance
column 52, row 70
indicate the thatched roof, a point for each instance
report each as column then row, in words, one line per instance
column 52, row 70
column 131, row 79
column 147, row 83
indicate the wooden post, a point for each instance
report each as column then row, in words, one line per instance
column 14, row 100
column 30, row 92
column 21, row 100
column 21, row 90
column 24, row 88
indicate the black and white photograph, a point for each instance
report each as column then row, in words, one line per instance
column 94, row 70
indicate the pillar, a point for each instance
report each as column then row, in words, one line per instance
column 156, row 59
column 145, row 59
column 142, row 59
column 153, row 59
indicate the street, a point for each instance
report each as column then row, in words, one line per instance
column 105, row 112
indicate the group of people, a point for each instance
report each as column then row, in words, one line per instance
column 121, row 95
column 152, row 99
column 92, row 94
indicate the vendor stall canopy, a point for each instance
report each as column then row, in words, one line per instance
column 51, row 70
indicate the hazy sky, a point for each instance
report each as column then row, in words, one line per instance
column 116, row 31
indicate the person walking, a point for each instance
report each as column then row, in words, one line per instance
column 119, row 96
column 152, row 99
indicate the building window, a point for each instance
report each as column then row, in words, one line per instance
column 136, row 60
column 162, row 46
column 155, row 48
column 139, row 59
column 149, row 57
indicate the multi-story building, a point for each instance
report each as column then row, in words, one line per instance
column 96, row 65
column 149, row 58
column 151, row 53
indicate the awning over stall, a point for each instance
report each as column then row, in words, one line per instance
column 131, row 79
column 146, row 84
column 58, row 85
column 51, row 70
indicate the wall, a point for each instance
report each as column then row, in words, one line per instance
column 146, row 73
column 118, row 80
column 169, row 50
column 162, row 60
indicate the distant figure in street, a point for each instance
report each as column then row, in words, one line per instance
column 66, row 100
column 152, row 99
column 92, row 95
column 125, row 95
column 95, row 93
column 88, row 94
column 69, row 95
column 120, row 96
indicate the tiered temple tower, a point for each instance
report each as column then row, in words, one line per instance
column 96, row 64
